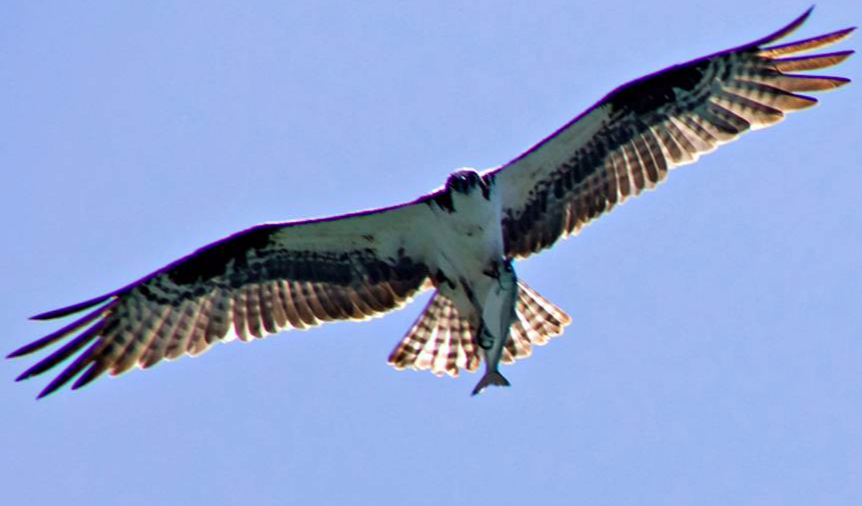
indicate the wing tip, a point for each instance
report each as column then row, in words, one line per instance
column 50, row 389
column 23, row 376
column 29, row 348
column 802, row 45
column 70, row 310
column 65, row 377
column 20, row 352
column 786, row 30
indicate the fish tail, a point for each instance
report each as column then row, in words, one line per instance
column 490, row 378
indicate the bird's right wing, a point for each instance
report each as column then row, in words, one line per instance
column 262, row 280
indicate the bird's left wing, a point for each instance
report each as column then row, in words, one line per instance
column 627, row 141
column 259, row 281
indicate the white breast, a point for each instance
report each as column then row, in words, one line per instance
column 466, row 241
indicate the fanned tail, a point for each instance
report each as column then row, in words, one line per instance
column 439, row 340
column 537, row 320
column 442, row 341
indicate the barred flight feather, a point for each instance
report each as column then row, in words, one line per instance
column 443, row 342
column 629, row 140
column 186, row 307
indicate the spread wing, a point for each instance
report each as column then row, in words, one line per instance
column 629, row 140
column 259, row 281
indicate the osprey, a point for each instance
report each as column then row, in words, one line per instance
column 298, row 274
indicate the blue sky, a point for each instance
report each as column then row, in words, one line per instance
column 714, row 355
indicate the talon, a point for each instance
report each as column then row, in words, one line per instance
column 493, row 271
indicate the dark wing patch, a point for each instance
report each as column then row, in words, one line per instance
column 654, row 91
column 629, row 140
column 245, row 286
column 212, row 260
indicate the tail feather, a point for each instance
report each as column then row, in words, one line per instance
column 542, row 318
column 442, row 341
column 439, row 340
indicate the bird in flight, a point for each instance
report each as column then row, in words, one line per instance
column 459, row 240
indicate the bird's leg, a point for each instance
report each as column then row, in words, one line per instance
column 493, row 270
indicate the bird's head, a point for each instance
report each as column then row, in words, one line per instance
column 467, row 181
